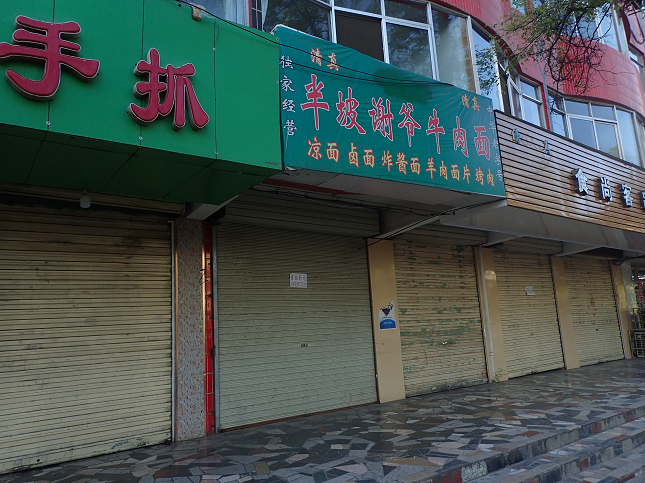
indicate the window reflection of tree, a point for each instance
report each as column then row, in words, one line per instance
column 304, row 15
column 409, row 49
column 453, row 50
column 417, row 12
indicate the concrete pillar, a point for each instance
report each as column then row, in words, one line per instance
column 622, row 281
column 491, row 316
column 387, row 341
column 565, row 320
column 189, row 330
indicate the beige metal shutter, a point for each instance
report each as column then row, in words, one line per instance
column 85, row 334
column 290, row 351
column 441, row 330
column 593, row 309
column 529, row 322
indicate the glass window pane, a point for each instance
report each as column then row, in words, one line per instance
column 587, row 28
column 575, row 107
column 529, row 90
column 360, row 33
column 409, row 49
column 415, row 11
column 555, row 102
column 603, row 112
column 226, row 9
column 558, row 124
column 486, row 67
column 531, row 112
column 607, row 30
column 453, row 50
column 519, row 5
column 607, row 139
column 582, row 131
column 628, row 137
column 307, row 17
column 371, row 6
column 516, row 101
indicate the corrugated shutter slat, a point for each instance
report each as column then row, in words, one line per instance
column 529, row 322
column 593, row 309
column 290, row 351
column 85, row 334
column 441, row 331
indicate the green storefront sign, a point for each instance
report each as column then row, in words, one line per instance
column 345, row 112
column 71, row 128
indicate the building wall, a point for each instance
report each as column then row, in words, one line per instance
column 189, row 330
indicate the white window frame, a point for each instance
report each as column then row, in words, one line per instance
column 617, row 24
column 636, row 123
column 637, row 59
column 330, row 5
column 384, row 21
column 474, row 26
column 514, row 81
column 552, row 106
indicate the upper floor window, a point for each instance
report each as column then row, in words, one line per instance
column 226, row 9
column 409, row 34
column 525, row 100
column 637, row 59
column 488, row 78
column 606, row 128
column 603, row 25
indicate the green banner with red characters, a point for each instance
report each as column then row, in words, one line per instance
column 345, row 112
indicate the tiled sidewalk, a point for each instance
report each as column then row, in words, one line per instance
column 406, row 441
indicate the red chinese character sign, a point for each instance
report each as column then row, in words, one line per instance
column 356, row 115
column 43, row 42
column 174, row 86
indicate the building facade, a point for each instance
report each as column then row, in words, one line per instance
column 289, row 207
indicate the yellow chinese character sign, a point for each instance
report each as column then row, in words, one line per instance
column 359, row 116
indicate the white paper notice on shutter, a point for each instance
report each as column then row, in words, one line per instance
column 298, row 280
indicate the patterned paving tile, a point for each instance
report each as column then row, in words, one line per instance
column 404, row 441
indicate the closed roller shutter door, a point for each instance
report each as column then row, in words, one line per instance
column 441, row 331
column 85, row 334
column 593, row 309
column 290, row 351
column 529, row 322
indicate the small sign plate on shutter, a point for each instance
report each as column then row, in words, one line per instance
column 529, row 290
column 298, row 280
column 386, row 317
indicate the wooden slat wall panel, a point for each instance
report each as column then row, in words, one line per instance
column 85, row 334
column 282, row 211
column 265, row 372
column 543, row 182
column 529, row 322
column 441, row 330
column 593, row 308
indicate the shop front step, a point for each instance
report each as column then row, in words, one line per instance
column 493, row 464
column 629, row 466
column 573, row 458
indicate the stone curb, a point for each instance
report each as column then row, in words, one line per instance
column 571, row 464
column 487, row 463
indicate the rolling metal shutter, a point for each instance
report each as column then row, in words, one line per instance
column 290, row 351
column 441, row 330
column 529, row 322
column 593, row 309
column 85, row 334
